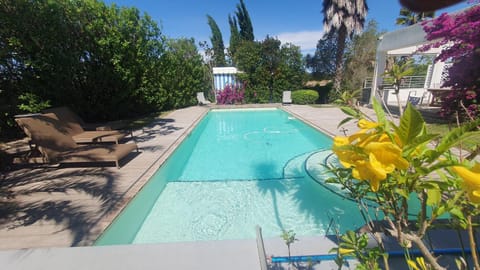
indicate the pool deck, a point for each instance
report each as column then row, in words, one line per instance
column 47, row 211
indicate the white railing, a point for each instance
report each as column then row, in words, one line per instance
column 407, row 82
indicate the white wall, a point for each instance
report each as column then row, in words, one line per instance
column 418, row 92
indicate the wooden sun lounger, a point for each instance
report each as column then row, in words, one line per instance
column 65, row 114
column 55, row 146
column 74, row 126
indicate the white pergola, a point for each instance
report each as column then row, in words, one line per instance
column 403, row 42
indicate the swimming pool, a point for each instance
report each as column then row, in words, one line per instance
column 237, row 169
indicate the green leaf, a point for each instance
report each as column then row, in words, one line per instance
column 433, row 196
column 411, row 124
column 440, row 165
column 350, row 111
column 417, row 141
column 344, row 121
column 440, row 211
column 457, row 213
column 377, row 107
column 456, row 136
column 402, row 192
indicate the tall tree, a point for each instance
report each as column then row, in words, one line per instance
column 408, row 17
column 271, row 59
column 269, row 68
column 360, row 57
column 345, row 17
column 322, row 63
column 217, row 43
column 183, row 73
column 244, row 22
column 234, row 36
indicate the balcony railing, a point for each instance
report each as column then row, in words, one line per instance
column 407, row 82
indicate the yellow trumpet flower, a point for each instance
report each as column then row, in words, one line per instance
column 471, row 181
column 418, row 265
column 387, row 154
column 374, row 157
column 343, row 251
column 365, row 124
column 371, row 171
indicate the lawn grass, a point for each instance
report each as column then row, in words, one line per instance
column 438, row 128
column 443, row 129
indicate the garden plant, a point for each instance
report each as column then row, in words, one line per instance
column 389, row 165
column 305, row 96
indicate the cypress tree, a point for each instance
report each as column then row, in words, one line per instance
column 246, row 27
column 234, row 36
column 217, row 43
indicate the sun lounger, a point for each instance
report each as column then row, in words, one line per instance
column 54, row 146
column 73, row 126
column 201, row 99
column 67, row 115
column 287, row 97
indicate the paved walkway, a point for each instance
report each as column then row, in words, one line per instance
column 326, row 118
column 58, row 208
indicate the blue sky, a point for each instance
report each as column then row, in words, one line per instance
column 299, row 22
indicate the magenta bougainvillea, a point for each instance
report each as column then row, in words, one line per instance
column 231, row 94
column 459, row 33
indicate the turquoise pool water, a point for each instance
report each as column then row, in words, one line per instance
column 236, row 170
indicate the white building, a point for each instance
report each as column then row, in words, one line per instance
column 406, row 42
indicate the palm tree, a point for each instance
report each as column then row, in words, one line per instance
column 396, row 74
column 408, row 17
column 345, row 17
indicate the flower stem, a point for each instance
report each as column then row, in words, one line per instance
column 473, row 246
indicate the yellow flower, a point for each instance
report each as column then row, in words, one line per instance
column 387, row 154
column 340, row 141
column 471, row 181
column 347, row 157
column 420, row 262
column 374, row 155
column 343, row 251
column 365, row 124
column 412, row 264
column 371, row 171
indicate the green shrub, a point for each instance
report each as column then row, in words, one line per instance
column 304, row 96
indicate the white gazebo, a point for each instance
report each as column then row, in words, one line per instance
column 405, row 42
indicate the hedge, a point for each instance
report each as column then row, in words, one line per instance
column 304, row 96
